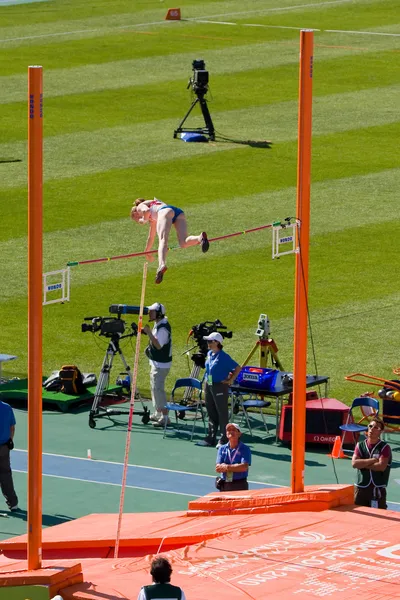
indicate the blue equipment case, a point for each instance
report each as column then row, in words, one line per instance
column 257, row 378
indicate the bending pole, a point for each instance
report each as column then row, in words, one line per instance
column 134, row 254
column 302, row 259
column 131, row 410
column 35, row 242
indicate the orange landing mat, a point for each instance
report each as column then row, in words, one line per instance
column 342, row 553
column 337, row 554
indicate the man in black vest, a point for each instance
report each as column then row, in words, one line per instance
column 161, row 589
column 159, row 353
column 372, row 458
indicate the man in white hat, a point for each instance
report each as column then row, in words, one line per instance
column 159, row 353
column 233, row 461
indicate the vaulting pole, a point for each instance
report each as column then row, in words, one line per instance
column 131, row 411
column 35, row 237
column 302, row 259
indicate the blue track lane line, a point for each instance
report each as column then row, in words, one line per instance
column 141, row 478
column 108, row 473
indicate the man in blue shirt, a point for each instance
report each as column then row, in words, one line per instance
column 233, row 461
column 7, row 430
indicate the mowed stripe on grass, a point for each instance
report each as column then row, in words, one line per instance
column 120, row 147
column 176, row 67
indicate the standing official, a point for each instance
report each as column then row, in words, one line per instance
column 7, row 431
column 159, row 353
column 372, row 458
column 221, row 372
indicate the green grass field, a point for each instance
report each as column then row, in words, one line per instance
column 115, row 76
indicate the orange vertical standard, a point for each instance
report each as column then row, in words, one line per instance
column 35, row 241
column 301, row 285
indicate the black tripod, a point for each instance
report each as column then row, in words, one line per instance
column 103, row 383
column 209, row 128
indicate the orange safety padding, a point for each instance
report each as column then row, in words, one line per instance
column 217, row 502
column 17, row 573
column 94, row 535
column 339, row 554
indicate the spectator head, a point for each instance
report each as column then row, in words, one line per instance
column 161, row 570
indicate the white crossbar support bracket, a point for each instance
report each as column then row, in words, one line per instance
column 56, row 281
column 285, row 238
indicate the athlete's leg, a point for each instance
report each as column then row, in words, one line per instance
column 184, row 239
column 164, row 223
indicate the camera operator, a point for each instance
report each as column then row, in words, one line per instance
column 221, row 372
column 159, row 353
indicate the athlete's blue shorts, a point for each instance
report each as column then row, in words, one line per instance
column 177, row 211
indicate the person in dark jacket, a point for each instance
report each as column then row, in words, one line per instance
column 161, row 589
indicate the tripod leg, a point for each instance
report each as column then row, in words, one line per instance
column 102, row 384
column 207, row 118
column 179, row 128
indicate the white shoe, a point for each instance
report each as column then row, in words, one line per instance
column 155, row 417
column 161, row 422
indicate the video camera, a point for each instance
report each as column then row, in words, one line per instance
column 199, row 332
column 199, row 79
column 114, row 326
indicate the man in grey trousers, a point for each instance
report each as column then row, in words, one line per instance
column 159, row 353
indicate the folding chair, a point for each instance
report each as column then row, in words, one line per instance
column 366, row 403
column 252, row 402
column 187, row 382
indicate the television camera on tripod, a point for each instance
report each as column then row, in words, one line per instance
column 114, row 329
column 198, row 82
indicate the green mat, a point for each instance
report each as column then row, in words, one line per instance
column 18, row 390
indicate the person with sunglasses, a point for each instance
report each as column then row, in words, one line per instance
column 372, row 458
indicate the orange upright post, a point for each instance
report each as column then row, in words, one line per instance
column 35, row 241
column 301, row 285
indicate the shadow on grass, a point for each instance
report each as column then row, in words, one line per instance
column 265, row 144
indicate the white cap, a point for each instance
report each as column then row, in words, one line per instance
column 235, row 425
column 158, row 307
column 216, row 337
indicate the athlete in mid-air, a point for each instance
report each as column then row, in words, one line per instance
column 161, row 217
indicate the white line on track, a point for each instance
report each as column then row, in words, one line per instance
column 111, row 462
column 134, row 487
